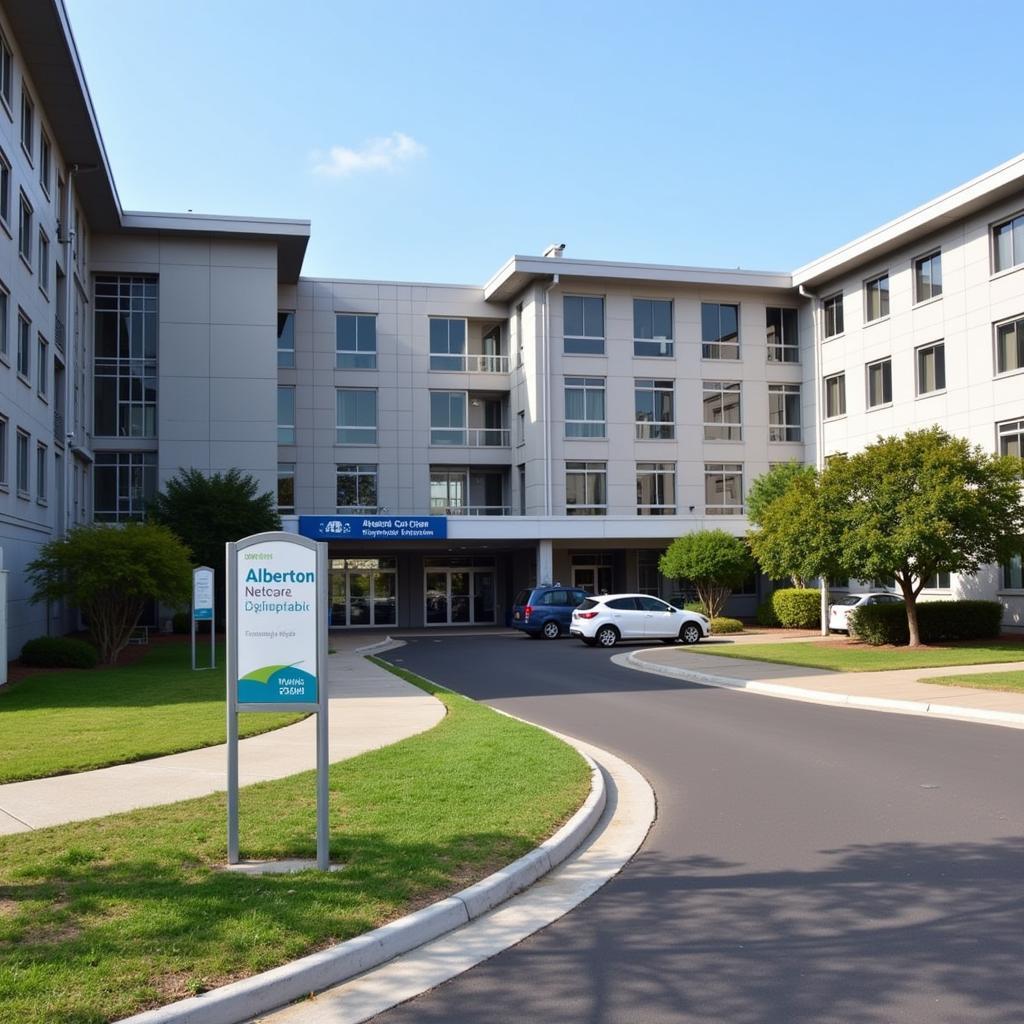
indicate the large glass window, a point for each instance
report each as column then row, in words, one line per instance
column 447, row 344
column 1011, row 438
column 652, row 327
column 719, row 330
column 357, row 416
column 782, row 335
column 655, row 488
column 586, row 488
column 123, row 484
column 722, row 420
column 448, row 411
column 41, row 472
column 24, row 346
column 43, row 262
column 784, row 412
column 835, row 395
column 25, row 230
column 357, row 489
column 449, row 490
column 21, row 463
column 286, row 339
column 583, row 324
column 584, row 407
column 5, row 189
column 42, row 367
column 126, row 335
column 1008, row 243
column 286, row 488
column 1010, row 346
column 931, row 368
column 356, row 341
column 285, row 415
column 3, row 452
column 832, row 307
column 876, row 298
column 28, row 122
column 1013, row 573
column 45, row 161
column 654, row 406
column 928, row 277
column 723, row 489
column 6, row 72
column 879, row 383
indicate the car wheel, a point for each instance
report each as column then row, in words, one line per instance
column 690, row 633
column 589, row 641
column 551, row 630
column 607, row 636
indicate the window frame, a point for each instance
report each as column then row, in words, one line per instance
column 874, row 286
column 577, row 429
column 918, row 354
column 832, row 304
column 23, row 361
column 642, row 344
column 706, row 346
column 782, row 345
column 42, row 473
column 5, row 324
column 6, row 75
column 28, row 123
column 5, row 424
column 721, row 388
column 45, row 162
column 1016, row 263
column 868, row 367
column 359, row 471
column 658, row 473
column 785, row 427
column 285, row 430
column 652, row 429
column 723, row 470
column 440, row 356
column 841, row 375
column 43, row 263
column 286, row 328
column 358, row 358
column 1017, row 322
column 22, row 470
column 371, row 433
column 42, row 367
column 127, row 467
column 26, row 223
column 915, row 265
column 6, row 180
column 584, row 344
column 1006, row 429
column 592, row 471
column 283, row 473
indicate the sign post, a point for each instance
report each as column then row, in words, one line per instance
column 277, row 651
column 202, row 610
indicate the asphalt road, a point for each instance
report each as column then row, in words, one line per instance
column 808, row 864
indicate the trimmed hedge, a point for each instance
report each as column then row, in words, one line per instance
column 695, row 606
column 792, row 607
column 725, row 625
column 58, row 652
column 938, row 621
column 765, row 614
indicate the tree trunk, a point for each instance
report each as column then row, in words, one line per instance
column 915, row 634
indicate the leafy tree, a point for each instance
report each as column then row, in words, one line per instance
column 713, row 561
column 109, row 573
column 781, row 552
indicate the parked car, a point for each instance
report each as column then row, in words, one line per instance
column 842, row 604
column 607, row 619
column 546, row 611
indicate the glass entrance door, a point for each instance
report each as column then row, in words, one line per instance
column 594, row 579
column 364, row 592
column 459, row 597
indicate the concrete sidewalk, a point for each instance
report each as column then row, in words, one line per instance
column 369, row 708
column 898, row 690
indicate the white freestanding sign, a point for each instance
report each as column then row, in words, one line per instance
column 277, row 650
column 202, row 610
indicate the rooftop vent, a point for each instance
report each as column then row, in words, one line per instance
column 555, row 250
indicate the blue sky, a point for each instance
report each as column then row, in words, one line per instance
column 431, row 141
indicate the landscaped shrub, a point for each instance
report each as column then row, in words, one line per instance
column 726, row 625
column 58, row 652
column 695, row 606
column 797, row 608
column 179, row 623
column 765, row 614
column 939, row 621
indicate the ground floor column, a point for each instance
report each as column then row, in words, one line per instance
column 545, row 562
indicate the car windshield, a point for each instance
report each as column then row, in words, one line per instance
column 848, row 599
column 523, row 597
column 589, row 603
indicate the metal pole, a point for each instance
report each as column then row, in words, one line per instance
column 232, row 686
column 213, row 629
column 192, row 618
column 323, row 835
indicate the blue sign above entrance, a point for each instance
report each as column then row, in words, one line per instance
column 374, row 527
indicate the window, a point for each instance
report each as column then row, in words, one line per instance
column 1013, row 573
column 5, row 323
column 937, row 581
column 286, row 339
column 928, row 277
column 41, row 473
column 583, row 326
column 357, row 489
column 21, row 463
column 286, row 488
column 522, row 488
column 24, row 346
column 43, row 265
column 584, row 407
column 123, row 485
column 586, row 488
column 520, row 428
column 722, row 411
column 652, row 327
column 356, row 341
column 519, row 334
column 931, row 368
column 357, row 416
column 25, row 230
column 28, row 121
column 448, row 417
column 835, row 395
column 784, row 412
column 833, row 310
column 876, row 298
column 42, row 366
column 655, row 488
column 1010, row 346
column 719, row 331
column 3, row 453
column 1008, row 243
column 723, row 489
column 783, row 335
column 1011, row 438
column 447, row 345
column 654, row 404
column 6, row 72
column 45, row 161
column 5, row 189
column 286, row 415
column 879, row 383
column 449, row 490
column 126, row 334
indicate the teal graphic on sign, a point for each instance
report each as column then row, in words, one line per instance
column 277, row 684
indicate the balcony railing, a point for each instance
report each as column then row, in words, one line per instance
column 471, row 510
column 475, row 437
column 471, row 363
column 58, row 426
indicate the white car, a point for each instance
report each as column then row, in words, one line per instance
column 839, row 610
column 609, row 618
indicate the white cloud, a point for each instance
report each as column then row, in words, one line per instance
column 381, row 154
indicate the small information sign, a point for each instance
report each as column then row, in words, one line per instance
column 202, row 610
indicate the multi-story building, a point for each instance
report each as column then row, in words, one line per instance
column 564, row 421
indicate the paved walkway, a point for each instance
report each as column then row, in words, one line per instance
column 369, row 708
column 893, row 690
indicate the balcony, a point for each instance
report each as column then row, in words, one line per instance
column 471, row 510
column 470, row 363
column 471, row 437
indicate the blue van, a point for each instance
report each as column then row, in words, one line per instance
column 546, row 611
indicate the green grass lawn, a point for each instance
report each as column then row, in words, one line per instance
column 72, row 721
column 1013, row 681
column 105, row 918
column 861, row 658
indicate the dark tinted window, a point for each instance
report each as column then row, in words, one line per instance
column 558, row 597
column 587, row 604
column 523, row 597
column 578, row 596
column 623, row 604
column 652, row 604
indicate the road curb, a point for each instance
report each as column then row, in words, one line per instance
column 242, row 1000
column 1011, row 719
